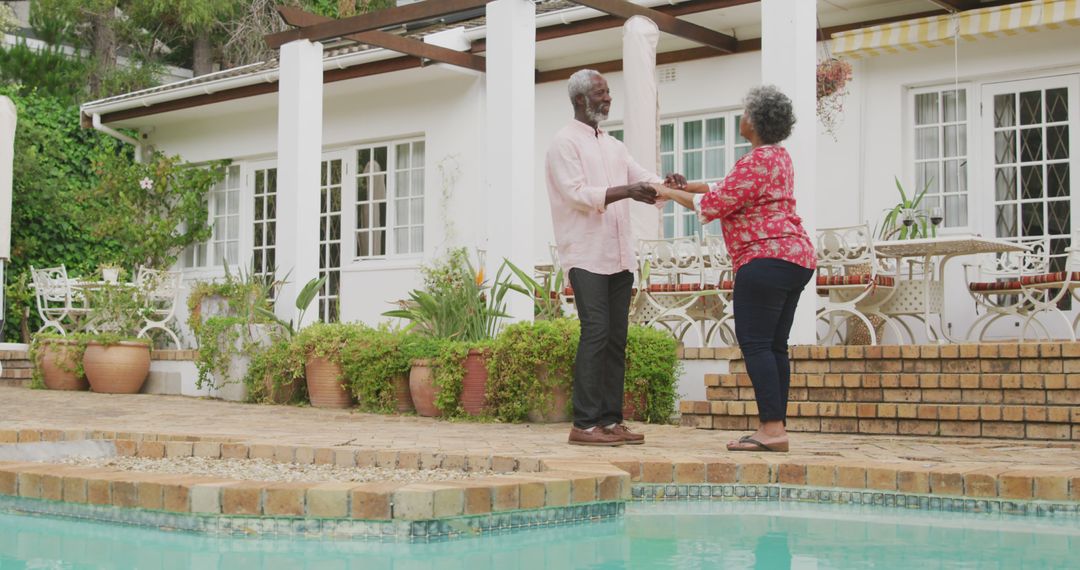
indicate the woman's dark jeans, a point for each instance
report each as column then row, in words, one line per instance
column 766, row 293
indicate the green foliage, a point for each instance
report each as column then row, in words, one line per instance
column 244, row 294
column 152, row 210
column 20, row 300
column 53, row 166
column 892, row 223
column 545, row 293
column 275, row 367
column 456, row 303
column 116, row 309
column 48, row 72
column 370, row 364
column 527, row 360
column 652, row 370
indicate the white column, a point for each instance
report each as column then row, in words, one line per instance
column 300, row 91
column 511, row 114
column 788, row 61
column 642, row 121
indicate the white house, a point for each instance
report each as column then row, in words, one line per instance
column 413, row 157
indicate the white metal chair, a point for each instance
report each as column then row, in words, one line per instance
column 161, row 292
column 671, row 281
column 717, row 308
column 996, row 284
column 850, row 280
column 52, row 292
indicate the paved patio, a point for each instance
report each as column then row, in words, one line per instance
column 281, row 425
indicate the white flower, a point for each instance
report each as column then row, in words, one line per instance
column 146, row 184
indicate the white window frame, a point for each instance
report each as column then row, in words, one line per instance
column 684, row 221
column 392, row 201
column 231, row 186
column 971, row 144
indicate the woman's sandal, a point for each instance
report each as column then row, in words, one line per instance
column 776, row 447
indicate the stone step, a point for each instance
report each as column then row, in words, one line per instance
column 977, row 395
column 986, row 381
column 964, row 420
column 16, row 373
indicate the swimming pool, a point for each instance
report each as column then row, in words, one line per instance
column 684, row 535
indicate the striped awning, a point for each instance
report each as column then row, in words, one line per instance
column 970, row 25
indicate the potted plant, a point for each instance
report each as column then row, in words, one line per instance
column 323, row 346
column 833, row 76
column 275, row 373
column 57, row 362
column 110, row 272
column 377, row 368
column 532, row 370
column 456, row 306
column 906, row 220
column 115, row 360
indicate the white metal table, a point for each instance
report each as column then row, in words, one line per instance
column 924, row 297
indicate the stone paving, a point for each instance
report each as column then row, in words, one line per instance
column 287, row 425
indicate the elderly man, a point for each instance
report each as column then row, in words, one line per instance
column 590, row 176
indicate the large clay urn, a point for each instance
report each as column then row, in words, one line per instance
column 58, row 362
column 474, row 384
column 422, row 388
column 118, row 368
column 324, row 384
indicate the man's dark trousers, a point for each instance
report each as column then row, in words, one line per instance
column 603, row 307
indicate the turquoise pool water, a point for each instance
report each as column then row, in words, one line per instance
column 758, row 535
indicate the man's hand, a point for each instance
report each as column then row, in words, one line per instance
column 675, row 180
column 642, row 192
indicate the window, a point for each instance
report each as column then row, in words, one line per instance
column 702, row 149
column 265, row 224
column 330, row 239
column 390, row 199
column 941, row 152
column 223, row 207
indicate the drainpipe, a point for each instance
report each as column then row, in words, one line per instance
column 98, row 126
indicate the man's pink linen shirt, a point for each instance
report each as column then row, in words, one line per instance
column 582, row 163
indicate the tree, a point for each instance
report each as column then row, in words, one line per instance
column 202, row 23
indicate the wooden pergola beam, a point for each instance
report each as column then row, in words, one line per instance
column 608, row 22
column 393, row 42
column 666, row 22
column 373, row 21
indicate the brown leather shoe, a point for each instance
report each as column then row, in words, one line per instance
column 599, row 436
column 628, row 437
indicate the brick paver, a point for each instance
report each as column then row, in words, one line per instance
column 287, row 425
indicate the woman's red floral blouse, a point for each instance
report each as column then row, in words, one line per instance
column 755, row 204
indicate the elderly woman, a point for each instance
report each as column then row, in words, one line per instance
column 772, row 256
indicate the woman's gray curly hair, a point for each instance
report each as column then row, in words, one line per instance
column 581, row 82
column 770, row 113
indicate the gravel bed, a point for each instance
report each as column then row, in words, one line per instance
column 266, row 470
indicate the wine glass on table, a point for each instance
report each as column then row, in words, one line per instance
column 907, row 217
column 937, row 215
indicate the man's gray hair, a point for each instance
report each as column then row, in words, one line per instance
column 581, row 82
column 770, row 112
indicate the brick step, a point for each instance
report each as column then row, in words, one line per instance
column 984, row 381
column 16, row 373
column 990, row 420
column 15, row 382
column 909, row 395
column 16, row 364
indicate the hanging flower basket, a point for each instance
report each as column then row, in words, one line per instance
column 833, row 76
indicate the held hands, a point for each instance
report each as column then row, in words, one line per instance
column 675, row 180
column 642, row 192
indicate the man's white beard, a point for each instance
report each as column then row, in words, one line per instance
column 593, row 114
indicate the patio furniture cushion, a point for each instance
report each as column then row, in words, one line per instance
column 854, row 279
column 1050, row 278
column 725, row 285
column 995, row 286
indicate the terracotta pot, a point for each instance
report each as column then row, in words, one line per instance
column 402, row 394
column 57, row 358
column 119, row 368
column 282, row 394
column 422, row 388
column 560, row 398
column 324, row 384
column 633, row 406
column 474, row 384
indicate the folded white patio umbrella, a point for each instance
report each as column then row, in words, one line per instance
column 7, row 156
column 642, row 121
